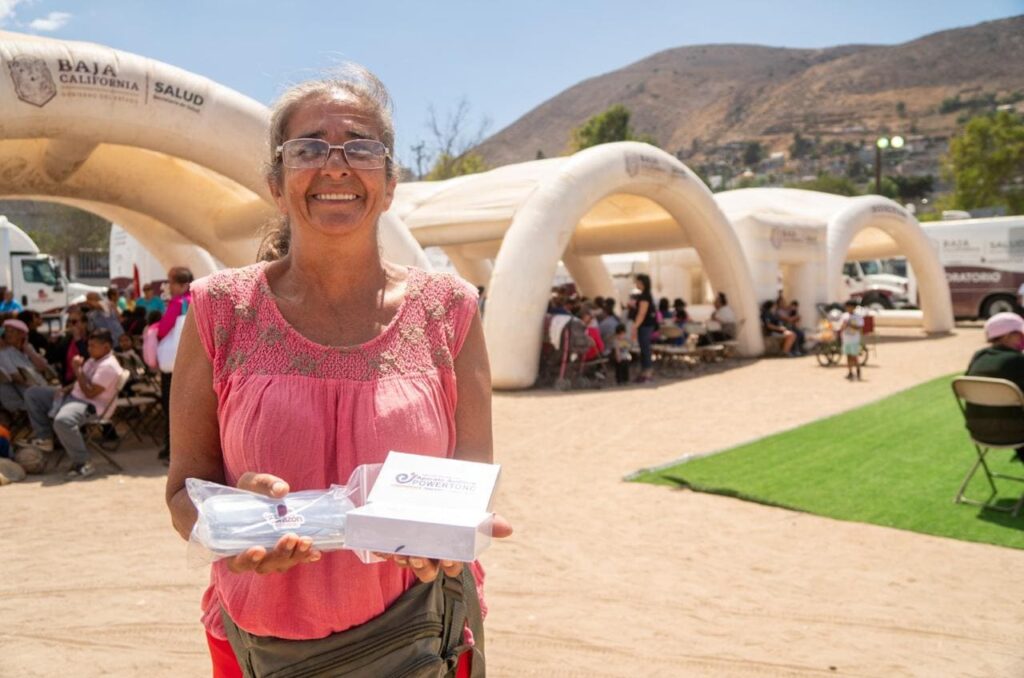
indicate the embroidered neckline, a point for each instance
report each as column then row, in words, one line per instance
column 412, row 292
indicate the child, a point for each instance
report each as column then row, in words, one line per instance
column 851, row 325
column 620, row 354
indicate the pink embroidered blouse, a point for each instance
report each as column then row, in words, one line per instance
column 310, row 414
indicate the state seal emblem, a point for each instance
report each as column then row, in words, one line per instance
column 32, row 81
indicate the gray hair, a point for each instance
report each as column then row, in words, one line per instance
column 350, row 78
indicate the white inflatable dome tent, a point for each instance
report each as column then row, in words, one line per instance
column 508, row 228
column 802, row 238
column 171, row 156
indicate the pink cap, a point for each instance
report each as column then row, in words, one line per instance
column 16, row 324
column 1000, row 325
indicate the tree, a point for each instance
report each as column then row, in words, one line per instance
column 986, row 163
column 65, row 231
column 906, row 189
column 450, row 155
column 446, row 167
column 753, row 153
column 828, row 183
column 801, row 146
column 610, row 125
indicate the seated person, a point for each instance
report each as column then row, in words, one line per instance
column 725, row 317
column 9, row 305
column 102, row 315
column 664, row 314
column 74, row 341
column 620, row 354
column 608, row 322
column 773, row 327
column 20, row 362
column 38, row 340
column 679, row 313
column 94, row 389
column 789, row 314
column 594, row 332
column 130, row 360
column 1001, row 359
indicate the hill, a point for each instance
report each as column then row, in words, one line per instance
column 697, row 100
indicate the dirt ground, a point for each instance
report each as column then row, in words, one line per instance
column 603, row 577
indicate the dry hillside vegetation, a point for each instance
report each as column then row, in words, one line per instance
column 694, row 99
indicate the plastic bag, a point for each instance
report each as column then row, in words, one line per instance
column 231, row 520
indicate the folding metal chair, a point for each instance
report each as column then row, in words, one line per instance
column 93, row 428
column 989, row 392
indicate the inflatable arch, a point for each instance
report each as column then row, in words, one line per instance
column 876, row 212
column 175, row 155
column 620, row 197
column 802, row 238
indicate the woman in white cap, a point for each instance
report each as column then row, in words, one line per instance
column 1001, row 359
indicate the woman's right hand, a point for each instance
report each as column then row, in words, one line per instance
column 290, row 550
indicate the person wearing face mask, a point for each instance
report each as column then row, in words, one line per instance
column 1001, row 359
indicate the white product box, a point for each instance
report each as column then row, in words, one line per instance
column 426, row 506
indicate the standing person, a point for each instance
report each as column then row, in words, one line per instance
column 179, row 279
column 851, row 327
column 94, row 388
column 644, row 326
column 324, row 356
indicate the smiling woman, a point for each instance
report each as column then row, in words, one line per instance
column 320, row 358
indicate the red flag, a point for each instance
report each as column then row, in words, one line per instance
column 135, row 281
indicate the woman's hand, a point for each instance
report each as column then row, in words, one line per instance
column 426, row 569
column 290, row 550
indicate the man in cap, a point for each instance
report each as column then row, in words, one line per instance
column 20, row 362
column 1001, row 359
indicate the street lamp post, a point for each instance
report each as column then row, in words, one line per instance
column 880, row 145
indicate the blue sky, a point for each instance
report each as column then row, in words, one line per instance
column 504, row 58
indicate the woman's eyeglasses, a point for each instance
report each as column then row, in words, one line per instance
column 313, row 153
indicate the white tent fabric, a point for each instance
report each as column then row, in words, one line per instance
column 507, row 228
column 621, row 197
column 108, row 130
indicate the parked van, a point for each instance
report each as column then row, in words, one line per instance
column 875, row 284
column 38, row 282
column 984, row 262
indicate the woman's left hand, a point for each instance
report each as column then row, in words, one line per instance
column 427, row 569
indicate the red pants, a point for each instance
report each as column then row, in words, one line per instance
column 226, row 666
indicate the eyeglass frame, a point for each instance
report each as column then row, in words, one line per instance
column 279, row 152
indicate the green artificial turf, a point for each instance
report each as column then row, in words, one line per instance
column 897, row 462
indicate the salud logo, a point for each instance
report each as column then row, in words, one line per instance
column 32, row 81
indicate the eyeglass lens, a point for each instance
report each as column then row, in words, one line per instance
column 309, row 153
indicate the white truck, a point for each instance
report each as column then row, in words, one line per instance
column 36, row 278
column 876, row 285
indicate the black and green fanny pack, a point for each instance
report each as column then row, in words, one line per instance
column 419, row 636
